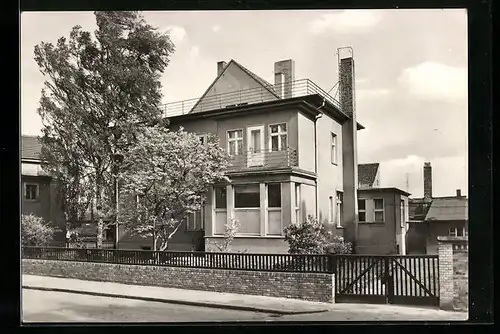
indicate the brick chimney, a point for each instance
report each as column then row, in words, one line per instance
column 349, row 149
column 284, row 76
column 220, row 67
column 427, row 182
column 459, row 193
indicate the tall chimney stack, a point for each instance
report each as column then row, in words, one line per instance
column 284, row 76
column 220, row 67
column 427, row 182
column 349, row 147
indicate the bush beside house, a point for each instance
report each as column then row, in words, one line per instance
column 35, row 232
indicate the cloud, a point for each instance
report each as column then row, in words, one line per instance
column 194, row 51
column 215, row 28
column 177, row 34
column 435, row 81
column 345, row 21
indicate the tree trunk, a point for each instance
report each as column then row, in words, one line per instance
column 164, row 245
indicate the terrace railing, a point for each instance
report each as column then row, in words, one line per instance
column 263, row 159
column 228, row 261
column 303, row 87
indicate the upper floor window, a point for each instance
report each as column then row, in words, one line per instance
column 235, row 142
column 458, row 232
column 31, row 191
column 379, row 209
column 362, row 210
column 278, row 137
column 334, row 148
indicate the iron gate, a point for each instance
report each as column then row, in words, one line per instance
column 388, row 279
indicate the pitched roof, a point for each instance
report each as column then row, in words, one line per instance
column 367, row 173
column 448, row 208
column 30, row 147
column 418, row 208
column 254, row 76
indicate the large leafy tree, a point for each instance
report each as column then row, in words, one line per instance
column 101, row 89
column 167, row 176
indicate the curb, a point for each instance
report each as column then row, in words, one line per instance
column 179, row 302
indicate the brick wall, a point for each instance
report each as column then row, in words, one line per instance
column 305, row 286
column 453, row 273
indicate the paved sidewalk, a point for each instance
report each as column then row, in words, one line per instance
column 176, row 296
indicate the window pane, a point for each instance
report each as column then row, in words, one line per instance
column 283, row 127
column 361, row 204
column 453, row 232
column 283, row 142
column 232, row 134
column 247, row 196
column 240, row 147
column 232, row 148
column 274, row 128
column 379, row 216
column 379, row 204
column 197, row 219
column 362, row 216
column 274, row 195
column 255, row 138
column 460, row 232
column 220, row 198
column 239, row 133
column 274, row 143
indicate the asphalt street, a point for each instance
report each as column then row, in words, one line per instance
column 45, row 306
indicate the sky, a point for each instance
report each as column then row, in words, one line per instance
column 411, row 74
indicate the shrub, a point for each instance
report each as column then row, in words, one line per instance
column 311, row 237
column 35, row 232
column 230, row 230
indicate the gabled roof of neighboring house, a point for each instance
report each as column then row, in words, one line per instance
column 254, row 76
column 30, row 148
column 448, row 208
column 384, row 189
column 418, row 208
column 367, row 173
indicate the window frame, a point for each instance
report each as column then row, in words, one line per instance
column 363, row 210
column 333, row 148
column 403, row 212
column 375, row 210
column 236, row 139
column 465, row 233
column 25, row 191
column 278, row 134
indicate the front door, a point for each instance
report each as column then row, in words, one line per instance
column 255, row 146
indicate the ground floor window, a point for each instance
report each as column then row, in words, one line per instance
column 274, row 195
column 247, row 196
column 196, row 220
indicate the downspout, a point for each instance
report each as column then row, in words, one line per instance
column 318, row 116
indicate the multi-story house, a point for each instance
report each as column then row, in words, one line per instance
column 39, row 193
column 293, row 153
column 431, row 217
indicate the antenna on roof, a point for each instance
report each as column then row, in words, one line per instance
column 407, row 182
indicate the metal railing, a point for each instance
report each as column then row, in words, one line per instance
column 264, row 159
column 303, row 87
column 228, row 261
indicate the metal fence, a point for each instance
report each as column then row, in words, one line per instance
column 303, row 87
column 229, row 261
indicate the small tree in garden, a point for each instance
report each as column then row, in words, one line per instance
column 166, row 176
column 35, row 232
column 337, row 245
column 230, row 229
column 307, row 237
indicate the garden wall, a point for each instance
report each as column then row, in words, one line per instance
column 453, row 273
column 306, row 286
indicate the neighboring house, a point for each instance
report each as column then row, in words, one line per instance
column 293, row 153
column 383, row 215
column 368, row 175
column 431, row 217
column 39, row 193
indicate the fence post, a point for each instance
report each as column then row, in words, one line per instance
column 331, row 260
